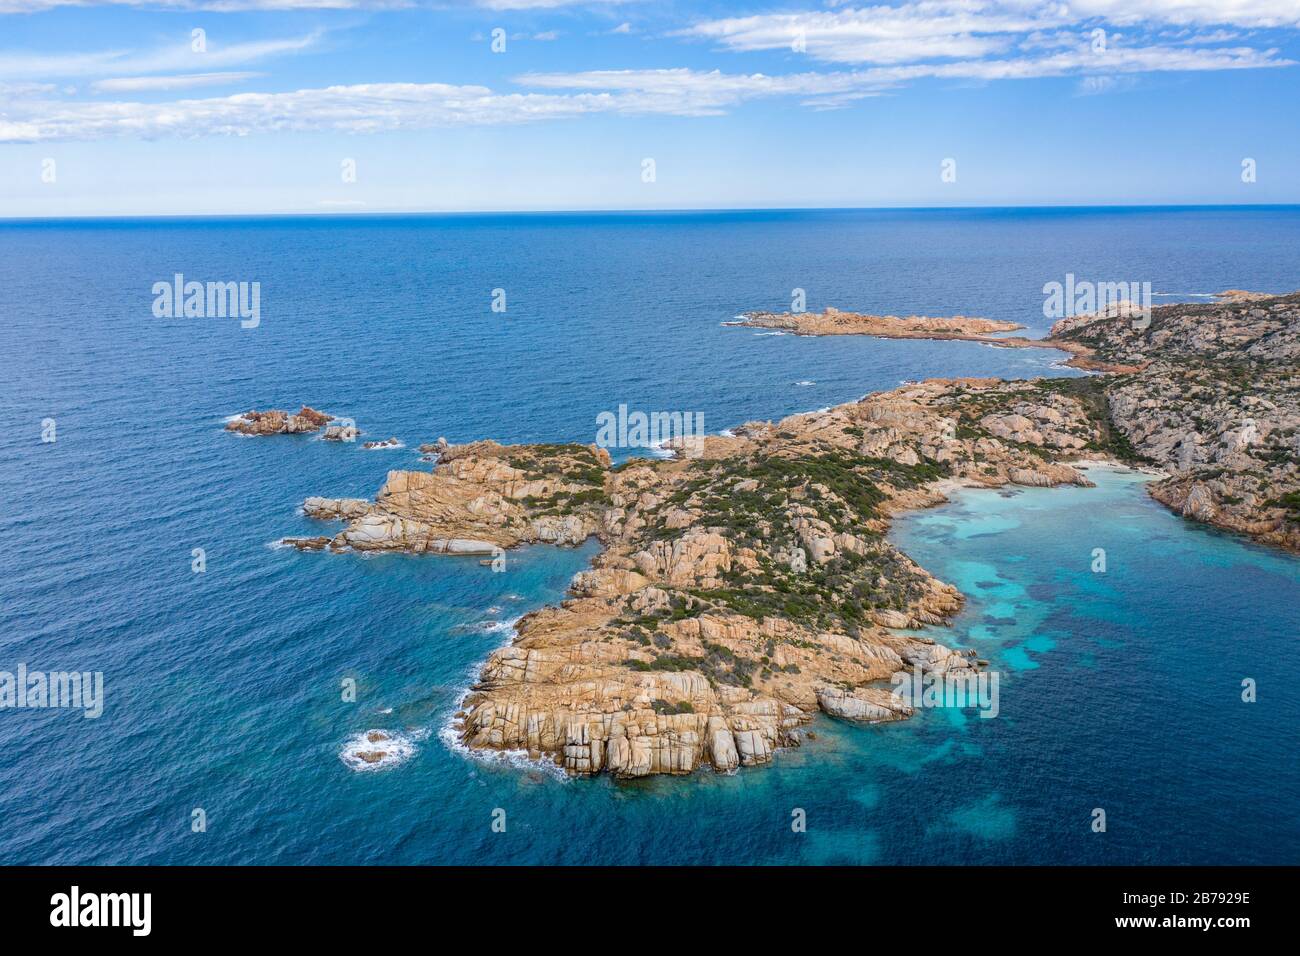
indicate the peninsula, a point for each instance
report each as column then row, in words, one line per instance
column 741, row 592
column 952, row 328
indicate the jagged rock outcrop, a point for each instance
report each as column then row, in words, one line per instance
column 345, row 433
column 478, row 498
column 277, row 422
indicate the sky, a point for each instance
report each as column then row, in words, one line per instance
column 178, row 107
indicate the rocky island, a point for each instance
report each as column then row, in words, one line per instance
column 741, row 592
column 277, row 422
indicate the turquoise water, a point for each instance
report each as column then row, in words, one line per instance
column 1118, row 691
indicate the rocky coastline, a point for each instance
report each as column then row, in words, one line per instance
column 1213, row 399
column 742, row 592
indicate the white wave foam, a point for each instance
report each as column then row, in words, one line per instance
column 489, row 627
column 384, row 447
column 378, row 750
column 449, row 734
column 761, row 334
column 805, row 383
column 238, row 417
column 657, row 449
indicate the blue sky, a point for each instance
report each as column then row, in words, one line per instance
column 114, row 108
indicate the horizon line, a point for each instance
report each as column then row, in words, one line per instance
column 362, row 214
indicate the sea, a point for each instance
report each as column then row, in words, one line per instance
column 138, row 540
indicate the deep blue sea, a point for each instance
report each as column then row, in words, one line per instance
column 1120, row 691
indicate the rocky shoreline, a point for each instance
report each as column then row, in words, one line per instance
column 1212, row 398
column 1206, row 392
column 742, row 592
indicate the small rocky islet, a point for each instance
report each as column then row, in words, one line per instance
column 305, row 421
column 743, row 591
column 277, row 422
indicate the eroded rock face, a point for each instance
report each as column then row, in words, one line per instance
column 1216, row 405
column 870, row 704
column 336, row 508
column 477, row 499
column 277, row 422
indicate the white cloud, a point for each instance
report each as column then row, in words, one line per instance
column 172, row 58
column 183, row 81
column 383, row 107
column 694, row 92
column 363, row 108
column 232, row 6
column 1243, row 13
column 1083, row 61
column 1217, row 36
column 378, row 107
column 27, row 89
column 913, row 31
column 544, row 4
column 218, row 6
column 922, row 30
